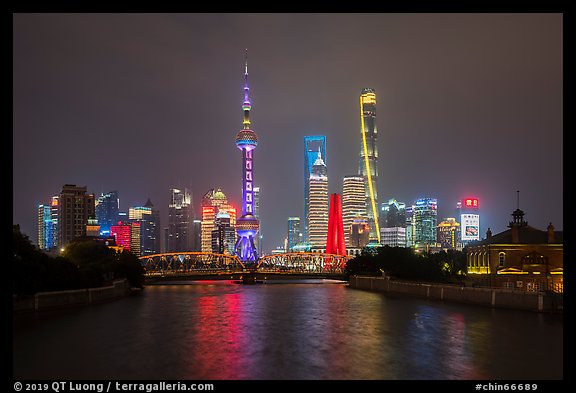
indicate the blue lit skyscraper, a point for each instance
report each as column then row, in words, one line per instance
column 45, row 227
column 107, row 209
column 312, row 145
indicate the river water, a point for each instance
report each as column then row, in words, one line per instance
column 312, row 329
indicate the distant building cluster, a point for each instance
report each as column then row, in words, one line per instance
column 366, row 223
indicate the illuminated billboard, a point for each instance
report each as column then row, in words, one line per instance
column 470, row 227
column 470, row 203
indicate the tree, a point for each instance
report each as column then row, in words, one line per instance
column 129, row 267
column 34, row 271
column 83, row 264
column 406, row 264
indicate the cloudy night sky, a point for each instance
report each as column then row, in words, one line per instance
column 467, row 105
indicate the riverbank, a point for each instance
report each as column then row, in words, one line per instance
column 43, row 301
column 491, row 297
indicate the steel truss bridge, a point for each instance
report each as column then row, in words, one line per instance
column 210, row 263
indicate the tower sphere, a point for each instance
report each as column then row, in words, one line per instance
column 246, row 139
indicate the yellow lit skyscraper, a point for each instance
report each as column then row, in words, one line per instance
column 368, row 167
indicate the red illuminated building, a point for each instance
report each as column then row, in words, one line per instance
column 122, row 234
column 335, row 241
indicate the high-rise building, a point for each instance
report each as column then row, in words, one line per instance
column 223, row 235
column 359, row 233
column 449, row 234
column 409, row 227
column 393, row 214
column 149, row 219
column 75, row 207
column 197, row 241
column 123, row 234
column 208, row 218
column 335, row 238
column 247, row 225
column 107, row 208
column 180, row 221
column 312, row 144
column 369, row 158
column 393, row 220
column 213, row 202
column 318, row 205
column 467, row 211
column 136, row 238
column 294, row 233
column 393, row 237
column 45, row 227
column 54, row 207
column 424, row 221
column 353, row 203
column 92, row 228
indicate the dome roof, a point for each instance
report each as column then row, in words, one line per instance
column 218, row 194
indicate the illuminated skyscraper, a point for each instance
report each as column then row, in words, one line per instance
column 149, row 219
column 197, row 241
column 424, row 221
column 449, row 234
column 45, row 227
column 359, row 233
column 48, row 225
column 369, row 158
column 318, row 205
column 54, row 217
column 122, row 232
column 393, row 219
column 294, row 233
column 312, row 144
column 223, row 235
column 107, row 208
column 353, row 203
column 180, row 221
column 214, row 202
column 247, row 225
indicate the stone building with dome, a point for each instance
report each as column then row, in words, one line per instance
column 521, row 257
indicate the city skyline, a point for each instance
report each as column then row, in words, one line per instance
column 142, row 111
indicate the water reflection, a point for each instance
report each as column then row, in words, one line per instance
column 221, row 330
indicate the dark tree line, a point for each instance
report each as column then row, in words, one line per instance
column 83, row 264
column 406, row 264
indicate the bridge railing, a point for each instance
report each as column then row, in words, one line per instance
column 184, row 262
column 192, row 262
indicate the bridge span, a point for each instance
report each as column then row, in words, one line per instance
column 203, row 265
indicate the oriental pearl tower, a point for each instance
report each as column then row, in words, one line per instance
column 247, row 226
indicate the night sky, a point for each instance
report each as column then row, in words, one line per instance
column 468, row 105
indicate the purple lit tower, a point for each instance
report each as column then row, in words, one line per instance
column 247, row 226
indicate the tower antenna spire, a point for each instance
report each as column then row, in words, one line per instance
column 246, row 105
